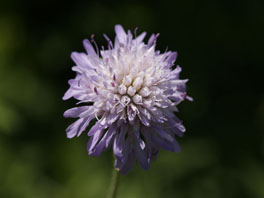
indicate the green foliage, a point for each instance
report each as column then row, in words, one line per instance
column 219, row 46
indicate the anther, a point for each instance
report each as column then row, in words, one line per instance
column 95, row 90
column 95, row 44
column 135, row 31
column 110, row 44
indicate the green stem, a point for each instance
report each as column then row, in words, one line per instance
column 113, row 184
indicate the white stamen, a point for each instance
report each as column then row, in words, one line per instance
column 137, row 99
column 131, row 91
column 137, row 83
column 144, row 92
column 122, row 89
column 125, row 100
column 127, row 80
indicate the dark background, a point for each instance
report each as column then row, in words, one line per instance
column 220, row 47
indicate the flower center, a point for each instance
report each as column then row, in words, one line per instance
column 132, row 90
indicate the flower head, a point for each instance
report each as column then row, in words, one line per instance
column 132, row 92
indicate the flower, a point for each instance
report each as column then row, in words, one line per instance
column 132, row 92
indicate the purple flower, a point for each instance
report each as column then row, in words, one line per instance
column 131, row 91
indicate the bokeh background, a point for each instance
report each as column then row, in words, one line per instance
column 220, row 46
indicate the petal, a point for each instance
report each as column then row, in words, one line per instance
column 116, row 149
column 89, row 48
column 119, row 141
column 172, row 58
column 112, row 118
column 72, row 129
column 93, row 140
column 122, row 159
column 175, row 73
column 95, row 128
column 170, row 146
column 136, row 130
column 163, row 133
column 151, row 40
column 77, row 127
column 122, row 134
column 81, row 59
column 75, row 83
column 70, row 93
column 128, row 164
column 176, row 98
column 77, row 69
column 140, row 38
column 141, row 157
column 75, row 112
column 175, row 127
column 110, row 138
column 89, row 112
column 118, row 164
column 121, row 34
column 101, row 146
column 144, row 120
column 151, row 149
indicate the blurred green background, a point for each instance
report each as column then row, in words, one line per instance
column 220, row 46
